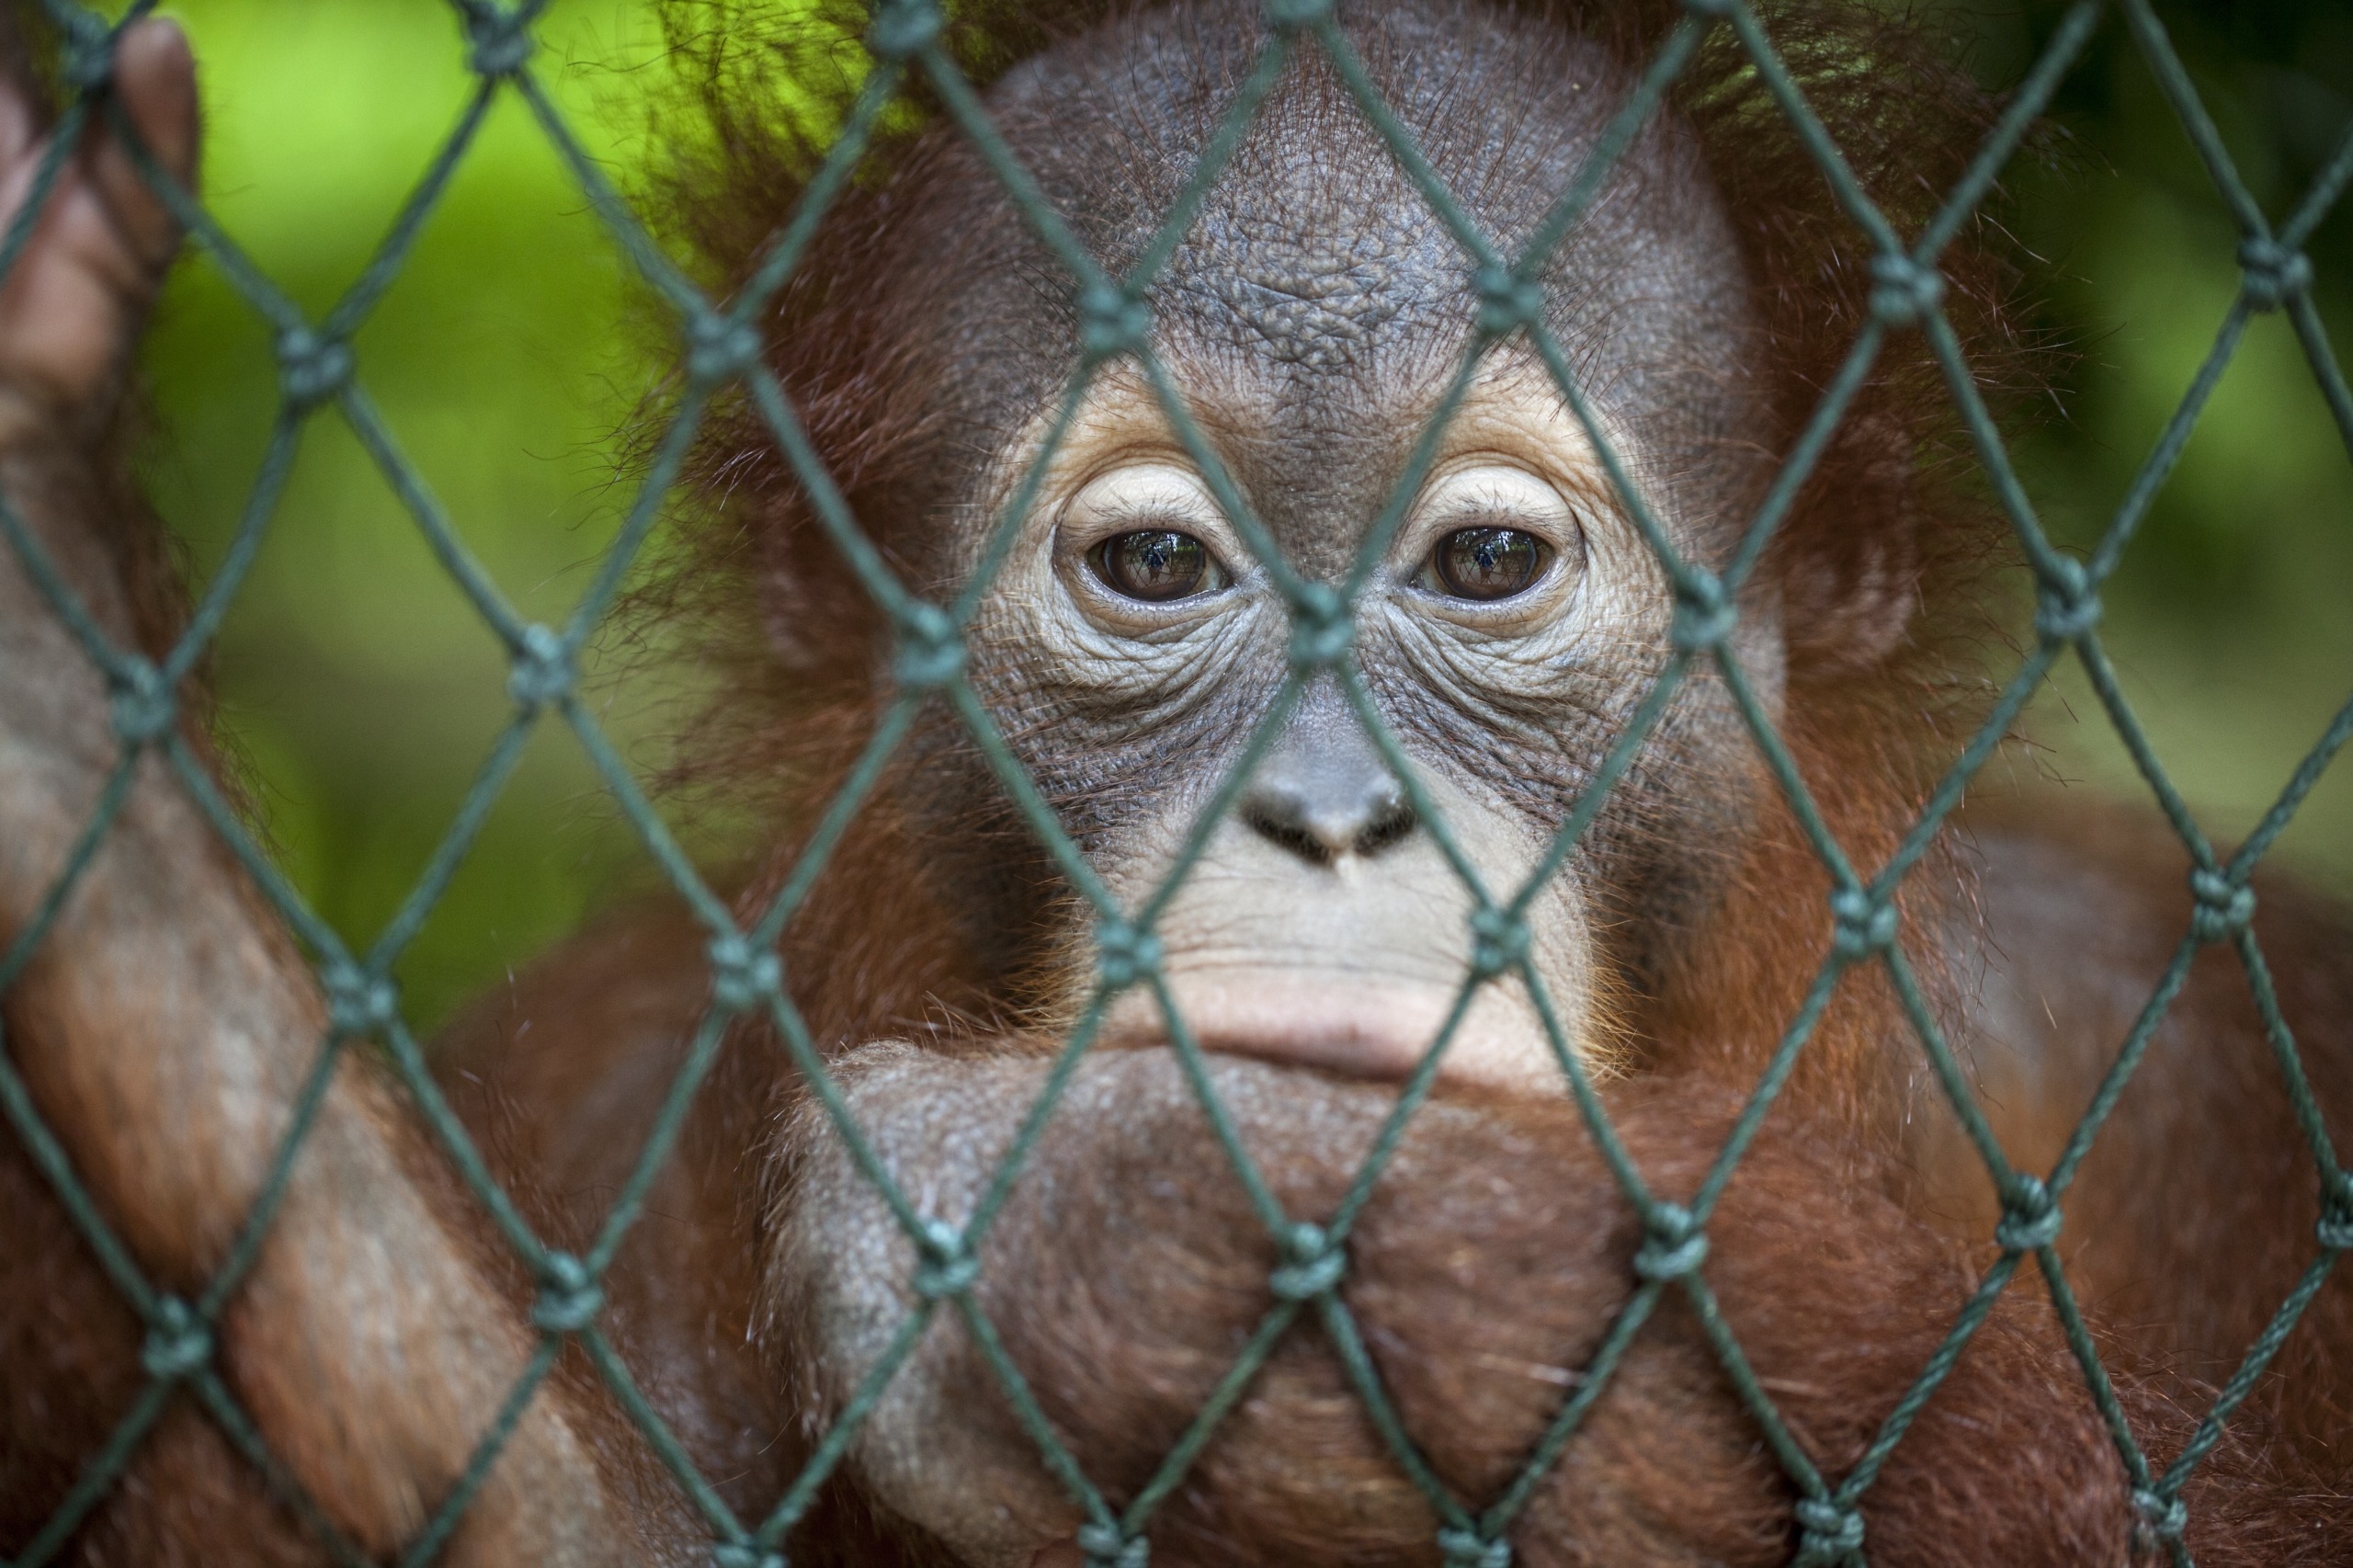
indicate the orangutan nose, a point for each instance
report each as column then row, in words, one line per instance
column 1323, row 792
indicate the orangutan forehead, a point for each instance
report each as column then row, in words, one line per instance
column 1309, row 277
column 1314, row 252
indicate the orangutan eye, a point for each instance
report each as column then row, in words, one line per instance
column 1500, row 530
column 1155, row 565
column 1147, row 521
column 1486, row 563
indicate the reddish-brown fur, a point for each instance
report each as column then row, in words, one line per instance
column 1869, row 740
column 1488, row 1264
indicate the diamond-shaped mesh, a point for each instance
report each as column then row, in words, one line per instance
column 721, row 349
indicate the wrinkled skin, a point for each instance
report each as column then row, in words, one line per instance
column 1310, row 318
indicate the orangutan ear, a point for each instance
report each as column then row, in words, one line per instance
column 1848, row 560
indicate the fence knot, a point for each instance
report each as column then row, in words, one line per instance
column 358, row 1001
column 178, row 1341
column 901, row 27
column 2030, row 1217
column 1124, row 954
column 1833, row 1531
column 719, row 346
column 1289, row 15
column 1863, row 923
column 745, row 1554
column 541, row 672
column 143, row 708
column 2275, row 274
column 2065, row 606
column 1704, row 613
column 1111, row 321
column 499, row 36
column 1672, row 1243
column 1106, row 1547
column 1506, row 300
column 743, row 976
column 1467, row 1549
column 1498, row 941
column 931, row 648
column 1320, row 627
column 311, row 368
column 569, row 1299
column 1902, row 290
column 87, row 59
column 2336, row 1226
column 947, row 1268
column 1316, row 1263
column 2162, row 1517
column 2223, row 907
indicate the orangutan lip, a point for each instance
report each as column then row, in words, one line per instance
column 1356, row 1026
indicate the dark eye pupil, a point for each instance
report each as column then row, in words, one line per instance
column 1488, row 563
column 1153, row 564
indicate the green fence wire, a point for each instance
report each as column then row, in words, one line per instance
column 722, row 348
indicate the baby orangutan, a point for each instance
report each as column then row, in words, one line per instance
column 1128, row 635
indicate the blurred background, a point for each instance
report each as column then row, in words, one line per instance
column 363, row 692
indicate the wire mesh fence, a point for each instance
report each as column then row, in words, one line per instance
column 720, row 354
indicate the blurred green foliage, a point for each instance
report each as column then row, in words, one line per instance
column 359, row 689
column 363, row 692
column 2231, row 617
